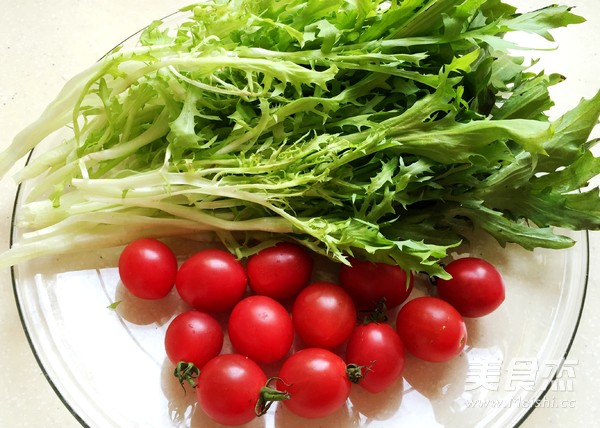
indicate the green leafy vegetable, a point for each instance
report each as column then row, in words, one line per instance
column 113, row 306
column 377, row 129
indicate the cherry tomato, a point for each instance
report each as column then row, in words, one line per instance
column 261, row 328
column 147, row 268
column 317, row 382
column 280, row 271
column 431, row 329
column 193, row 337
column 476, row 288
column 378, row 350
column 211, row 281
column 228, row 388
column 324, row 315
column 368, row 283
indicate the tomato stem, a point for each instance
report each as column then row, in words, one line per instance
column 378, row 314
column 268, row 395
column 357, row 372
column 186, row 372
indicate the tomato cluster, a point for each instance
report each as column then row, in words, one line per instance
column 323, row 336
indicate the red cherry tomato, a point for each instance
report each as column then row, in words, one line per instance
column 228, row 388
column 261, row 328
column 147, row 268
column 431, row 329
column 193, row 337
column 317, row 382
column 279, row 272
column 377, row 348
column 324, row 315
column 211, row 281
column 476, row 288
column 368, row 283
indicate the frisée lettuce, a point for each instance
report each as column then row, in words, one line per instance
column 382, row 130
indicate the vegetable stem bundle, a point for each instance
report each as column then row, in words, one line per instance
column 382, row 130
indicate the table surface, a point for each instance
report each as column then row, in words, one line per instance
column 42, row 44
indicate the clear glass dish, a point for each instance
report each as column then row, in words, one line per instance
column 110, row 369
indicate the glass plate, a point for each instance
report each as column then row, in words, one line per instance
column 110, row 369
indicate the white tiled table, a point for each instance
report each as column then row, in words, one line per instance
column 44, row 43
